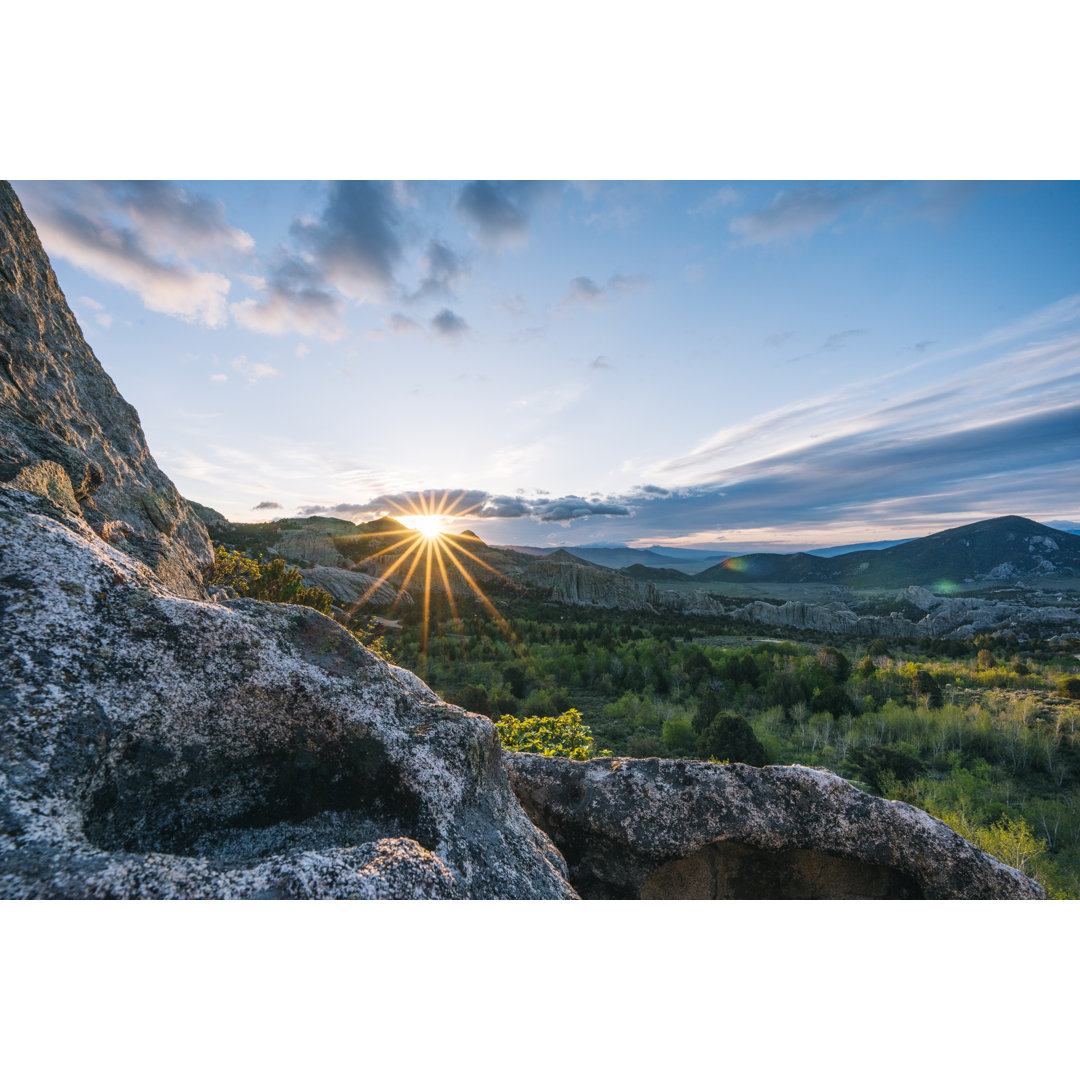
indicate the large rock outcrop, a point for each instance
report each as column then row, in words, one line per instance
column 65, row 431
column 158, row 746
column 658, row 829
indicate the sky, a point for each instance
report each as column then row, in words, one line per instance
column 726, row 365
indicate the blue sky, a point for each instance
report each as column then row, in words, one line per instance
column 710, row 364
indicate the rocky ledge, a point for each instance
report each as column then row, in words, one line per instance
column 158, row 746
column 656, row 829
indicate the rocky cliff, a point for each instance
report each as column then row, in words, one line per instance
column 158, row 746
column 66, row 433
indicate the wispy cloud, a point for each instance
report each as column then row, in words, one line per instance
column 833, row 343
column 253, row 370
column 464, row 503
column 498, row 211
column 142, row 237
column 716, row 201
column 800, row 212
column 448, row 324
column 443, row 272
column 583, row 290
column 296, row 299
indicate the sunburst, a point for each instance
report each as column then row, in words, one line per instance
column 426, row 543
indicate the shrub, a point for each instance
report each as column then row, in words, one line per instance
column 271, row 581
column 731, row 738
column 1071, row 688
column 565, row 735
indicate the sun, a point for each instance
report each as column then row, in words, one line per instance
column 431, row 525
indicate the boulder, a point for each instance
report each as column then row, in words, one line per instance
column 159, row 746
column 663, row 830
column 351, row 588
column 65, row 431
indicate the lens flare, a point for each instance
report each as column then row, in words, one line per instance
column 430, row 548
column 428, row 524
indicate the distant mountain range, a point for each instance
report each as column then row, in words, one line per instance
column 620, row 558
column 999, row 549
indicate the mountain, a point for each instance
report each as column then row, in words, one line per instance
column 998, row 549
column 871, row 545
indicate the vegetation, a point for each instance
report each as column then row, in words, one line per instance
column 263, row 580
column 553, row 736
column 992, row 748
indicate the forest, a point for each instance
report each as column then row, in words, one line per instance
column 981, row 734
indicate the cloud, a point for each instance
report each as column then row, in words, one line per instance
column 865, row 452
column 173, row 219
column 600, row 364
column 447, row 324
column 571, row 507
column 443, row 273
column 798, row 213
column 719, row 200
column 296, row 299
column 465, row 503
column 401, row 324
column 140, row 237
column 583, row 290
column 776, row 340
column 499, row 210
column 354, row 241
column 219, row 378
column 268, row 506
column 833, row 343
column 253, row 370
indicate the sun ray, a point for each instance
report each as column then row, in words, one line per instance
column 427, row 605
column 437, row 547
column 385, row 575
column 476, row 558
column 492, row 609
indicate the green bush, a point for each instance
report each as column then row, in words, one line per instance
column 731, row 738
column 271, row 581
column 565, row 735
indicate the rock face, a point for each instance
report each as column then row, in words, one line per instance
column 350, row 588
column 657, row 829
column 580, row 584
column 67, row 434
column 158, row 746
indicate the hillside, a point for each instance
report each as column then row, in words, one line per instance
column 999, row 549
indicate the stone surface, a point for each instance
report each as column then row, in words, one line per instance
column 661, row 829
column 158, row 746
column 60, row 411
column 350, row 588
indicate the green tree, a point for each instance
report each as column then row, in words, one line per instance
column 677, row 736
column 1070, row 688
column 925, row 688
column 835, row 663
column 731, row 738
column 271, row 581
column 878, row 648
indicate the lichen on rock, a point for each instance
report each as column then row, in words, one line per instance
column 663, row 829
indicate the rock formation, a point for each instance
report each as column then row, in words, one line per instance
column 158, row 746
column 657, row 829
column 66, row 433
column 350, row 588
